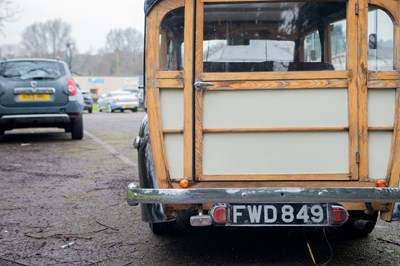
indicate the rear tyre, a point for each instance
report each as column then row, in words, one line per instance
column 134, row 109
column 90, row 110
column 162, row 228
column 77, row 129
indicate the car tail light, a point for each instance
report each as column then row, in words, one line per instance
column 218, row 213
column 339, row 215
column 71, row 88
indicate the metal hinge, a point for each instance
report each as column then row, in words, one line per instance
column 357, row 157
column 357, row 9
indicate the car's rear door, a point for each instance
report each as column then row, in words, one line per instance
column 263, row 111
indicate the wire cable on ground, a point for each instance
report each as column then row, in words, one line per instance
column 312, row 254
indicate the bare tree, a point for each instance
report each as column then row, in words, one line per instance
column 126, row 49
column 9, row 51
column 48, row 39
column 8, row 11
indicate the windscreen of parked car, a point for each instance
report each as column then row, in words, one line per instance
column 32, row 70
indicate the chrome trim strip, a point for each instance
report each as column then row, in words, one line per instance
column 4, row 117
column 261, row 195
column 38, row 90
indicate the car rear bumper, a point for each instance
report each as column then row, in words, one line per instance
column 34, row 118
column 125, row 105
column 137, row 195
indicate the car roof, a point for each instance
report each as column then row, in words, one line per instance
column 31, row 59
column 149, row 4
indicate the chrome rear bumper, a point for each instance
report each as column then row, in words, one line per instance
column 260, row 195
column 30, row 118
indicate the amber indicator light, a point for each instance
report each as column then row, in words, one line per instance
column 184, row 183
column 381, row 183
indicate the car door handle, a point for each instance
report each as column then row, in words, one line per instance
column 200, row 85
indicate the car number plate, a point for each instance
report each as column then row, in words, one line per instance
column 301, row 214
column 128, row 106
column 34, row 97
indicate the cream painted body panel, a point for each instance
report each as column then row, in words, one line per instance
column 381, row 113
column 171, row 103
column 379, row 154
column 174, row 151
column 275, row 108
column 381, row 106
column 275, row 153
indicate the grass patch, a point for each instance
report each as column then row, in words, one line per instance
column 95, row 107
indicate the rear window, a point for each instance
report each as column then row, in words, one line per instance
column 274, row 36
column 29, row 70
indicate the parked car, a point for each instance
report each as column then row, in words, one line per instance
column 139, row 93
column 39, row 93
column 118, row 100
column 87, row 101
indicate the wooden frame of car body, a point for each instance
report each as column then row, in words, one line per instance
column 188, row 136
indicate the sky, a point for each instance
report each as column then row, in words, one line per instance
column 91, row 20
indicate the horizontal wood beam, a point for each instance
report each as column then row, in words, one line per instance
column 244, row 184
column 278, row 129
column 170, row 75
column 381, row 128
column 170, row 83
column 282, row 177
column 298, row 75
column 173, row 130
column 383, row 75
column 383, row 84
column 282, row 84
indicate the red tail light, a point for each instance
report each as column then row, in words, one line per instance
column 218, row 214
column 71, row 88
column 339, row 215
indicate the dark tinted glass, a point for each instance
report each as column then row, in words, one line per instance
column 171, row 40
column 28, row 70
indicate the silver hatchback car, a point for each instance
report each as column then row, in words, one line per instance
column 118, row 100
column 39, row 93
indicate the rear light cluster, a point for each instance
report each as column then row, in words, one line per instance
column 219, row 214
column 339, row 215
column 71, row 88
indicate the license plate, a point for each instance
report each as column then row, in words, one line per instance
column 301, row 214
column 128, row 107
column 34, row 97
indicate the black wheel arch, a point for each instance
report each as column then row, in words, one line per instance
column 151, row 213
